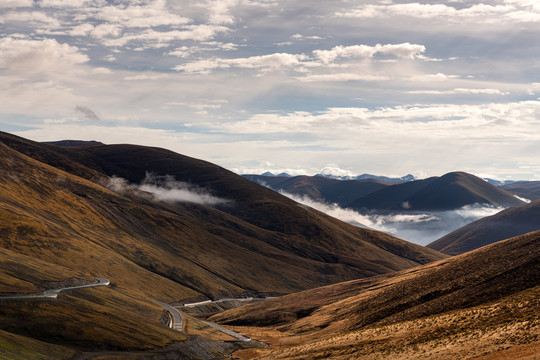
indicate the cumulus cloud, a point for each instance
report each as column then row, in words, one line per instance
column 220, row 11
column 152, row 14
column 38, row 56
column 6, row 4
column 405, row 51
column 497, row 120
column 510, row 11
column 31, row 17
column 300, row 62
column 157, row 39
column 265, row 62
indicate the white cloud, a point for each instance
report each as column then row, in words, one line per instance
column 6, row 4
column 525, row 200
column 265, row 62
column 82, row 30
column 105, row 30
column 341, row 77
column 513, row 11
column 460, row 91
column 38, row 56
column 299, row 62
column 336, row 171
column 404, row 50
column 152, row 14
column 166, row 188
column 156, row 38
column 220, row 11
column 63, row 3
column 31, row 17
column 101, row 71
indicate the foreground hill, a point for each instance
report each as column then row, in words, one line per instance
column 451, row 191
column 508, row 223
column 525, row 189
column 320, row 188
column 482, row 302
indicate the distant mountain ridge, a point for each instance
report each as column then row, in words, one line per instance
column 450, row 191
column 511, row 222
column 319, row 188
column 526, row 189
column 402, row 179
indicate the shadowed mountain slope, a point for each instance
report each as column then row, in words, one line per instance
column 488, row 291
column 258, row 241
column 525, row 189
column 55, row 225
column 451, row 191
column 508, row 223
column 320, row 188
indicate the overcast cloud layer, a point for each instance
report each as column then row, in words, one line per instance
column 386, row 87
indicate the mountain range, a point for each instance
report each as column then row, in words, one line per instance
column 448, row 192
column 79, row 211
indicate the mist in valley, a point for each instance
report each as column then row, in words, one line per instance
column 417, row 227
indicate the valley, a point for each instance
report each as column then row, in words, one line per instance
column 163, row 257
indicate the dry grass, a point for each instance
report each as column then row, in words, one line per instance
column 509, row 326
column 193, row 326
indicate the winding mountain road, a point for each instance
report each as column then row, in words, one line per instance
column 178, row 320
column 53, row 293
column 227, row 331
column 177, row 323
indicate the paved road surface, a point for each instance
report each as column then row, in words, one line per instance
column 178, row 322
column 227, row 331
column 53, row 293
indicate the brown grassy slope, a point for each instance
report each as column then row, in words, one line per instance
column 316, row 236
column 92, row 318
column 261, row 227
column 508, row 223
column 508, row 328
column 481, row 276
column 21, row 274
column 48, row 214
column 199, row 247
column 475, row 304
column 79, row 319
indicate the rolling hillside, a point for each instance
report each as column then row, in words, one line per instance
column 321, row 189
column 479, row 303
column 508, row 223
column 59, row 214
column 448, row 192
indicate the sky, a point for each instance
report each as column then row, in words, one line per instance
column 340, row 86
